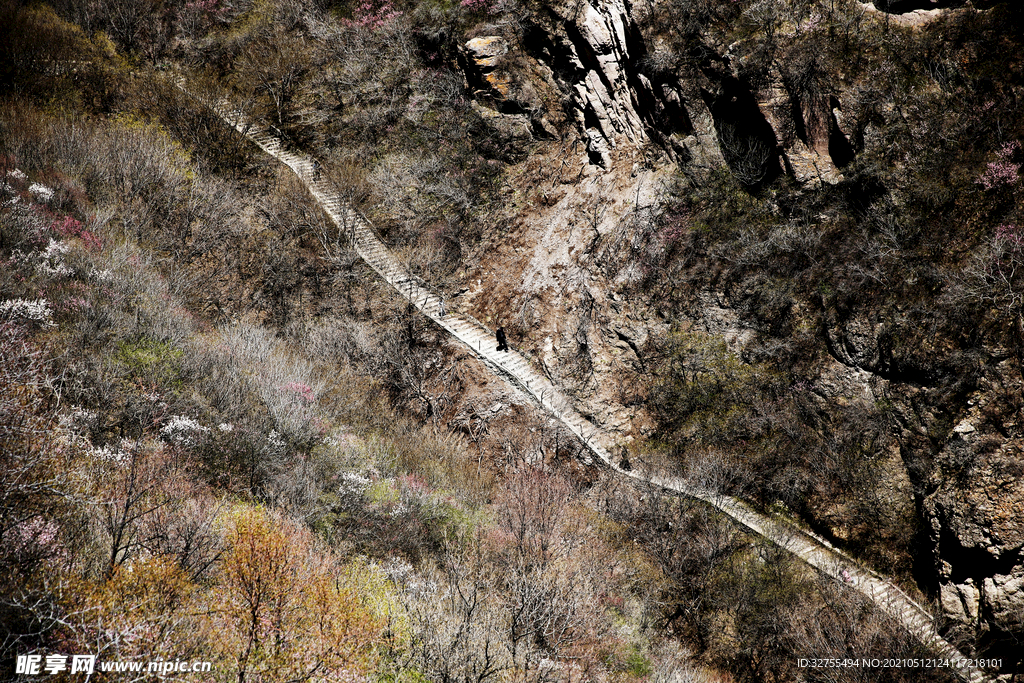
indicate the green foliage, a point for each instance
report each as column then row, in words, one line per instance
column 632, row 663
column 705, row 393
column 151, row 362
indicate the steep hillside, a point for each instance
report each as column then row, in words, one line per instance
column 773, row 245
column 825, row 298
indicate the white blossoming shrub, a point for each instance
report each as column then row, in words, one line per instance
column 353, row 485
column 41, row 192
column 37, row 311
column 182, row 430
column 407, row 579
column 342, row 440
column 78, row 419
column 105, row 275
column 106, row 453
column 51, row 260
column 288, row 385
column 275, row 439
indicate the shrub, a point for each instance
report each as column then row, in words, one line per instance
column 36, row 312
column 38, row 483
column 1004, row 171
column 458, row 625
column 705, row 391
column 283, row 607
column 252, row 361
column 995, row 274
column 136, row 612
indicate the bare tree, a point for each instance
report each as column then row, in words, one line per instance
column 748, row 156
column 184, row 530
column 551, row 576
column 459, row 625
column 277, row 67
column 347, row 182
column 130, row 482
column 995, row 275
column 129, row 21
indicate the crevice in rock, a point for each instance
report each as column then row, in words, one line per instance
column 974, row 563
column 747, row 140
column 924, row 553
column 539, row 44
column 796, row 113
column 587, row 56
column 996, row 639
column 632, row 345
column 839, row 147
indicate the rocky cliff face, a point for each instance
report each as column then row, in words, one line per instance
column 960, row 448
column 963, row 449
column 594, row 55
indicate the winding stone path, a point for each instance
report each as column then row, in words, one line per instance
column 518, row 371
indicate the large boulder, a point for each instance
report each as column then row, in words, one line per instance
column 1004, row 601
column 482, row 59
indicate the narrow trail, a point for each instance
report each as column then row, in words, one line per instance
column 518, row 371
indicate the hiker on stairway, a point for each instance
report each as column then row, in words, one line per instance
column 502, row 341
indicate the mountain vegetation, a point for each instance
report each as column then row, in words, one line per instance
column 223, row 439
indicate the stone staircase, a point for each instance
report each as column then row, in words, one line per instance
column 521, row 374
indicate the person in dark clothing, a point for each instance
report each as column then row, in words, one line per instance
column 502, row 341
